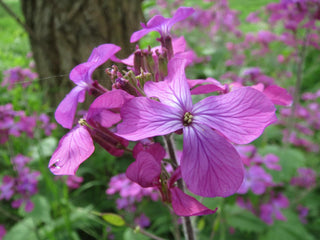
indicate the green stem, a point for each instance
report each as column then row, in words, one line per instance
column 188, row 228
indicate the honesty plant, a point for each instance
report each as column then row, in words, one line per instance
column 154, row 98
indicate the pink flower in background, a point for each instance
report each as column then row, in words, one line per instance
column 81, row 75
column 73, row 181
column 255, row 179
column 306, row 178
column 2, row 231
column 17, row 75
column 239, row 116
column 272, row 209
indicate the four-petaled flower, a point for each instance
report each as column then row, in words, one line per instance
column 210, row 165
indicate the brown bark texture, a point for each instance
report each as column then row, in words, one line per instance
column 65, row 32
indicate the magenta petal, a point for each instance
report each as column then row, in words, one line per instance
column 209, row 85
column 185, row 205
column 278, row 95
column 174, row 90
column 67, row 108
column 145, row 170
column 102, row 53
column 181, row 14
column 210, row 165
column 143, row 118
column 240, row 115
column 155, row 149
column 80, row 74
column 99, row 109
column 74, row 148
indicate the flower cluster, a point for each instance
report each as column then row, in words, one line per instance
column 17, row 122
column 306, row 123
column 22, row 187
column 23, row 76
column 154, row 98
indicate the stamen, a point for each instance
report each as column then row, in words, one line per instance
column 187, row 119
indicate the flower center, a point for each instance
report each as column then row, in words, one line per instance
column 187, row 119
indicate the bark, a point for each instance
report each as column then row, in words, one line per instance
column 65, row 32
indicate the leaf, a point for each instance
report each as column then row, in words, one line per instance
column 292, row 229
column 290, row 159
column 243, row 220
column 113, row 219
column 130, row 234
column 45, row 148
column 23, row 230
column 41, row 211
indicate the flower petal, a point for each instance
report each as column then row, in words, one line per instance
column 240, row 115
column 278, row 95
column 174, row 90
column 67, row 108
column 143, row 118
column 145, row 170
column 99, row 109
column 74, row 148
column 155, row 149
column 185, row 205
column 210, row 165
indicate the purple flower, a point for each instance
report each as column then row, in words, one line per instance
column 273, row 209
column 81, row 75
column 77, row 145
column 161, row 24
column 210, row 165
column 306, row 178
column 255, row 179
column 146, row 171
column 7, row 188
column 303, row 213
column 2, row 231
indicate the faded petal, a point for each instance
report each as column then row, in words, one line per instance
column 74, row 148
column 145, row 170
column 67, row 108
column 210, row 165
column 240, row 115
column 174, row 90
column 143, row 118
column 185, row 205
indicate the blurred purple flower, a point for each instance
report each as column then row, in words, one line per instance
column 2, row 231
column 303, row 213
column 306, row 178
column 255, row 179
column 272, row 209
column 143, row 221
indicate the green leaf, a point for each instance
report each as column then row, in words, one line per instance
column 292, row 229
column 113, row 219
column 23, row 230
column 243, row 220
column 45, row 148
column 41, row 211
column 130, row 234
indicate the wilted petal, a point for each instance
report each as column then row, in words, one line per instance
column 74, row 148
column 185, row 205
column 174, row 90
column 240, row 115
column 67, row 108
column 145, row 170
column 143, row 118
column 210, row 165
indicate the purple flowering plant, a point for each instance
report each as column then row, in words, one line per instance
column 154, row 98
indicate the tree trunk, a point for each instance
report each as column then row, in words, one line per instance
column 65, row 32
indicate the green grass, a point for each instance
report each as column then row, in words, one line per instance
column 14, row 44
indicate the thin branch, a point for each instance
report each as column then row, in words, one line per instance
column 18, row 20
column 187, row 224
